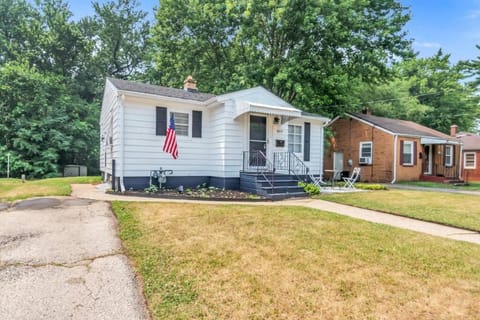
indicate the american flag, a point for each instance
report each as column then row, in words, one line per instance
column 170, row 144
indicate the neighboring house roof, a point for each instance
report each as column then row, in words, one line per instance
column 470, row 141
column 133, row 86
column 403, row 127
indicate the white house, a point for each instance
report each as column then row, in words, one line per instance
column 218, row 137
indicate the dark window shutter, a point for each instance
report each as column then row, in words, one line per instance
column 306, row 142
column 401, row 152
column 453, row 155
column 197, row 124
column 161, row 121
column 414, row 155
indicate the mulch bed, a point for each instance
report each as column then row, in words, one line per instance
column 212, row 194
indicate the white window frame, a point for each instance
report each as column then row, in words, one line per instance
column 181, row 125
column 411, row 144
column 474, row 154
column 362, row 144
column 293, row 144
column 448, row 156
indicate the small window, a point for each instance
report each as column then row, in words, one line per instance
column 294, row 138
column 448, row 156
column 366, row 149
column 407, row 155
column 470, row 160
column 181, row 123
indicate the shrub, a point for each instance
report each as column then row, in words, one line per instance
column 152, row 189
column 370, row 186
column 309, row 188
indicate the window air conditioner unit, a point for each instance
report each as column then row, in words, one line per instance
column 365, row 160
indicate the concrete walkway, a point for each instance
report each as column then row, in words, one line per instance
column 97, row 193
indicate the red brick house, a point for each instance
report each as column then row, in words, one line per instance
column 470, row 163
column 391, row 150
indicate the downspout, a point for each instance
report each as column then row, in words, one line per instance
column 460, row 162
column 395, row 142
column 122, row 141
column 322, row 145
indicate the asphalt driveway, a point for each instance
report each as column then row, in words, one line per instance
column 60, row 258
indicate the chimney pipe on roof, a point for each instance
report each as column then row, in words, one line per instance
column 453, row 130
column 367, row 111
column 190, row 84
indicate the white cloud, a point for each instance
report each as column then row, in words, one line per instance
column 427, row 44
column 474, row 14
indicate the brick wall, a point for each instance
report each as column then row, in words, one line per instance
column 348, row 133
column 473, row 174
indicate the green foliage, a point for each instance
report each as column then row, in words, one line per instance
column 309, row 188
column 370, row 186
column 309, row 53
column 52, row 71
column 152, row 189
column 43, row 125
column 429, row 91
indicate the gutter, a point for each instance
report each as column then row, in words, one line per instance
column 395, row 143
column 122, row 141
column 322, row 146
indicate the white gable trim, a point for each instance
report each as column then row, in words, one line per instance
column 247, row 107
column 260, row 90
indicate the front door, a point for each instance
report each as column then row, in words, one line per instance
column 337, row 165
column 258, row 140
column 427, row 163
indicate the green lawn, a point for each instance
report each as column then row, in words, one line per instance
column 457, row 210
column 14, row 189
column 472, row 186
column 276, row 262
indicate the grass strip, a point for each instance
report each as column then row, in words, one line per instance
column 457, row 210
column 15, row 189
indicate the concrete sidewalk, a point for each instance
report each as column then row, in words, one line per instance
column 97, row 193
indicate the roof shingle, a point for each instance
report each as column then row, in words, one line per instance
column 404, row 127
column 470, row 141
column 159, row 90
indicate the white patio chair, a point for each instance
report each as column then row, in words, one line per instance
column 350, row 181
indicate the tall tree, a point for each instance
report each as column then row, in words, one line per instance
column 472, row 70
column 43, row 124
column 440, row 85
column 429, row 91
column 19, row 28
column 121, row 38
column 305, row 51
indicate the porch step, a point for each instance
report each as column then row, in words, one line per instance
column 284, row 186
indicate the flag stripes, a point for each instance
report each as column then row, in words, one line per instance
column 170, row 145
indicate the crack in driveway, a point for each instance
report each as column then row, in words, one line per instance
column 65, row 252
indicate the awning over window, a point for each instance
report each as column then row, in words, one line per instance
column 437, row 141
column 250, row 107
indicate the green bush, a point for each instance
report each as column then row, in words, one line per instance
column 309, row 188
column 370, row 186
column 152, row 189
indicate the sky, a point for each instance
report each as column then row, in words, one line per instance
column 452, row 25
